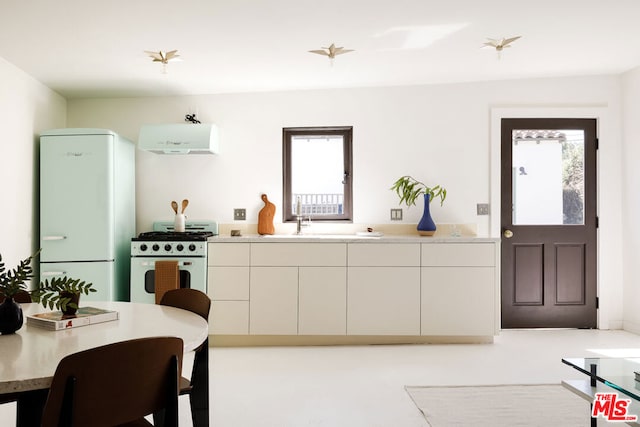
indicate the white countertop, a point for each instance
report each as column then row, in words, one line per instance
column 346, row 238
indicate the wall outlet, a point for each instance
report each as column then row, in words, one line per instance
column 239, row 214
column 482, row 208
column 396, row 214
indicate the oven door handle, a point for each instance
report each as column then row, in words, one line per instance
column 153, row 263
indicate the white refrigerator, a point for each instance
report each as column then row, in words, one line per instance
column 87, row 209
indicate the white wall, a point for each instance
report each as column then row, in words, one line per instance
column 440, row 134
column 26, row 108
column 631, row 198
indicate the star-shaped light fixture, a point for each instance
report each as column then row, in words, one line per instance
column 332, row 51
column 500, row 44
column 164, row 57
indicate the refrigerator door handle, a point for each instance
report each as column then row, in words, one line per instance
column 53, row 273
column 54, row 237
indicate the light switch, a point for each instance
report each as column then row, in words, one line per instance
column 396, row 214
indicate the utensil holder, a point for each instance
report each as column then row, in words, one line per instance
column 178, row 224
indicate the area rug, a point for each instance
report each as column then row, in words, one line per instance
column 501, row 406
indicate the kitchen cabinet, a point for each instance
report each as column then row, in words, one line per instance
column 383, row 295
column 381, row 289
column 322, row 301
column 458, row 289
column 284, row 274
column 228, row 287
column 383, row 301
column 273, row 308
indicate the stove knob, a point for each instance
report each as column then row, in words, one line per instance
column 179, row 248
column 143, row 247
column 167, row 247
column 155, row 247
column 192, row 247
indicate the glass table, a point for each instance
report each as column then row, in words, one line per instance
column 607, row 375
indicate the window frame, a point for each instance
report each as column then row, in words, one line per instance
column 347, row 149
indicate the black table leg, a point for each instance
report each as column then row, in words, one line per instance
column 199, row 396
column 30, row 406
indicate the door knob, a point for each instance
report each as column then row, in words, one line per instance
column 508, row 234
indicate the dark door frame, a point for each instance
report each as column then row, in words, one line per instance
column 492, row 227
column 555, row 302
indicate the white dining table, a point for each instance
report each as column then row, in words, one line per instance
column 29, row 358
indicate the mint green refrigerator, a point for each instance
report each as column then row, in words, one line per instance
column 87, row 209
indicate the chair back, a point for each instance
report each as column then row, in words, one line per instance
column 188, row 299
column 116, row 384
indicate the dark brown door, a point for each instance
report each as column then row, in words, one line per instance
column 548, row 220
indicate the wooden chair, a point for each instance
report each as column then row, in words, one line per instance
column 197, row 387
column 116, row 384
column 22, row 297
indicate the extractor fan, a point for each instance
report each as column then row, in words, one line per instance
column 331, row 51
column 500, row 44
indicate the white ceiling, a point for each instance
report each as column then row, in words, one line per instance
column 89, row 48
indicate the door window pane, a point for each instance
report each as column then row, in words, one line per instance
column 548, row 177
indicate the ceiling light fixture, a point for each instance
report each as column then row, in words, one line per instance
column 331, row 51
column 500, row 44
column 164, row 58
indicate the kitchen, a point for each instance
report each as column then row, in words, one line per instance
column 402, row 129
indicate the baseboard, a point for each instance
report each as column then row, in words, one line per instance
column 310, row 340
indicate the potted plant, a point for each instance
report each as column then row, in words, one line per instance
column 12, row 282
column 61, row 293
column 409, row 188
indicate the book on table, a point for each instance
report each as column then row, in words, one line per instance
column 56, row 320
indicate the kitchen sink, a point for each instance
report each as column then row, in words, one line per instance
column 318, row 236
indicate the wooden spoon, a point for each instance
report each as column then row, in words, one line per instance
column 174, row 205
column 185, row 202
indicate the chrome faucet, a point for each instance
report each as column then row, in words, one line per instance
column 300, row 223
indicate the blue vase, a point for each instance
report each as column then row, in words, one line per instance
column 426, row 226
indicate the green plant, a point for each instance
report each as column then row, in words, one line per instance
column 408, row 189
column 14, row 281
column 57, row 292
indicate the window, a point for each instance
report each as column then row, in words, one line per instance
column 317, row 176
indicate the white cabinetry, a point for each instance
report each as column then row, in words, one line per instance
column 458, row 289
column 363, row 288
column 322, row 301
column 298, row 288
column 383, row 295
column 273, row 309
column 228, row 288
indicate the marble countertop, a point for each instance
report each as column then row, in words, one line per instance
column 346, row 238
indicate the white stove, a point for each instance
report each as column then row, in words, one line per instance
column 188, row 248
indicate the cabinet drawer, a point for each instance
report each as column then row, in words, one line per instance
column 458, row 254
column 228, row 283
column 228, row 254
column 384, row 254
column 299, row 254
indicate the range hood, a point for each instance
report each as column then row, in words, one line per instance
column 198, row 138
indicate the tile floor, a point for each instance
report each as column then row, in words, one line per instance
column 364, row 385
